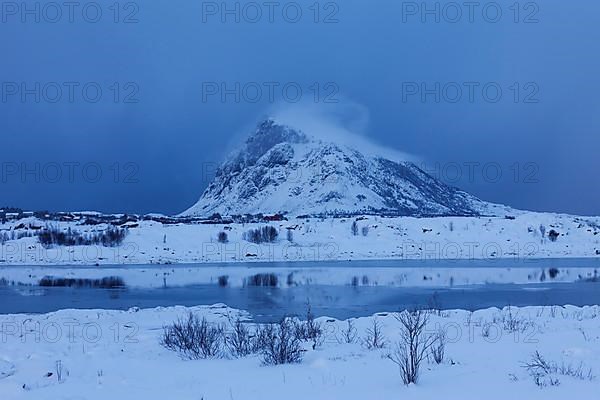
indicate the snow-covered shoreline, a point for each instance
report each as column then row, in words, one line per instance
column 103, row 353
column 151, row 249
column 525, row 235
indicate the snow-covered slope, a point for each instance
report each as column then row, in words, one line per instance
column 284, row 170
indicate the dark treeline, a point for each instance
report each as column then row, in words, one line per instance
column 266, row 234
column 110, row 282
column 110, row 237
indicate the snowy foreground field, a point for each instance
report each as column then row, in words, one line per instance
column 524, row 235
column 100, row 354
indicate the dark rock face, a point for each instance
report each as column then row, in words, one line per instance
column 282, row 170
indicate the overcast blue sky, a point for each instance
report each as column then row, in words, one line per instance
column 156, row 134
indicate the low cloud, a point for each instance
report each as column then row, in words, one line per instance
column 343, row 123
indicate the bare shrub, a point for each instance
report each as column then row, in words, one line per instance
column 354, row 228
column 193, row 338
column 545, row 373
column 413, row 346
column 585, row 336
column 553, row 235
column 240, row 340
column 222, row 237
column 349, row 334
column 59, row 370
column 278, row 344
column 485, row 330
column 375, row 338
column 578, row 372
column 438, row 348
column 309, row 330
column 540, row 370
column 512, row 322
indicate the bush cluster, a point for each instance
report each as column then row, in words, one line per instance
column 110, row 237
column 194, row 338
column 222, row 237
column 266, row 234
column 546, row 373
column 280, row 343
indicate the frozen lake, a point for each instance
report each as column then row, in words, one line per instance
column 334, row 300
column 268, row 304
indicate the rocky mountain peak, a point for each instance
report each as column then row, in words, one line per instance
column 280, row 169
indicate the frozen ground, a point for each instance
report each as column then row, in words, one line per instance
column 445, row 238
column 103, row 354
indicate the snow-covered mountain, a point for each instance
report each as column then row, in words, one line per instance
column 284, row 170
